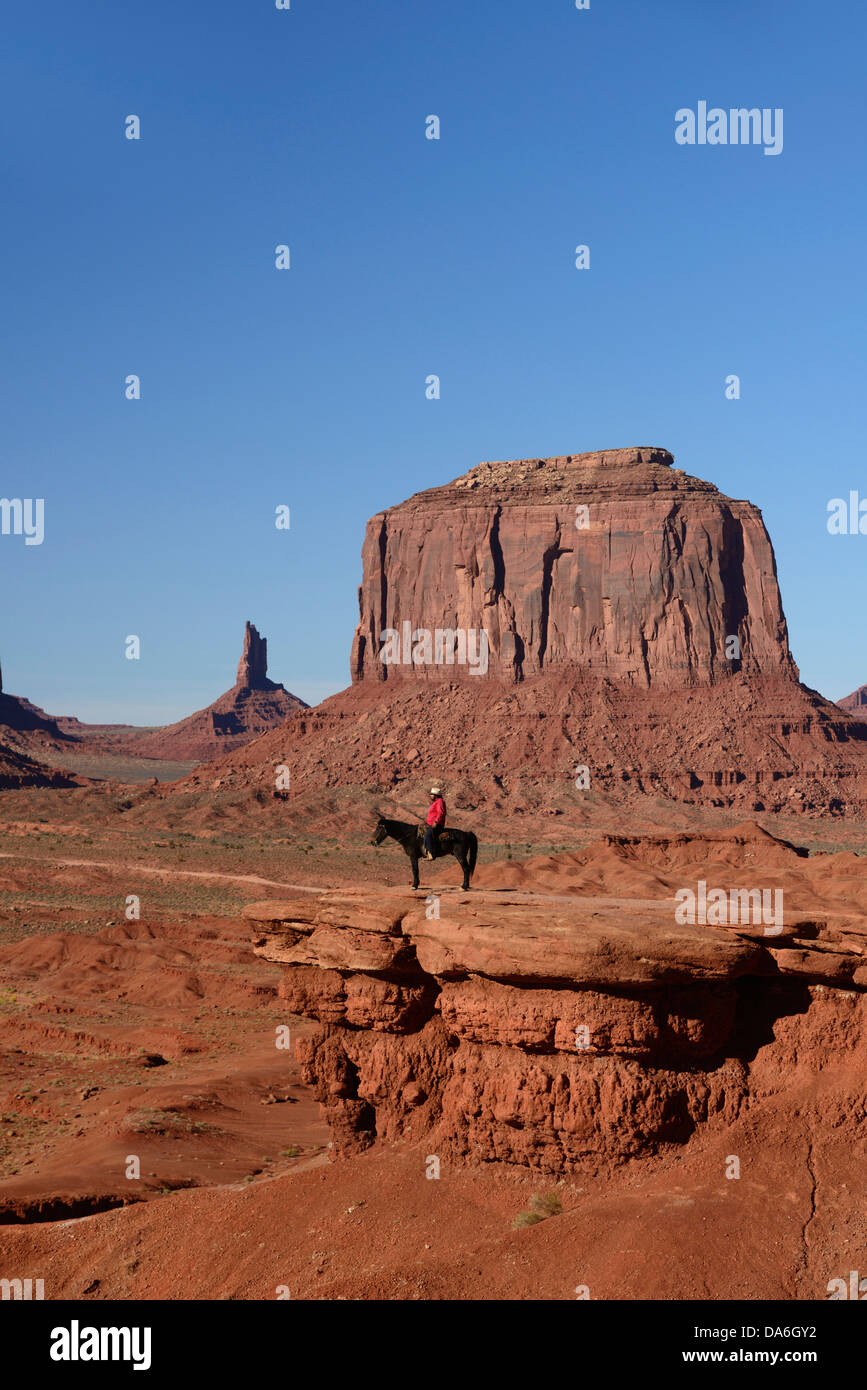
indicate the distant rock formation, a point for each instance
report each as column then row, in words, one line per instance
column 645, row 645
column 253, row 666
column 856, row 703
column 26, row 730
column 253, row 706
column 614, row 563
column 19, row 770
column 22, row 716
column 27, row 736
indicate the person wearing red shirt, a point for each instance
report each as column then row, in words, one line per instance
column 436, row 819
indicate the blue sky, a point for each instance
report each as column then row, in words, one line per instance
column 409, row 257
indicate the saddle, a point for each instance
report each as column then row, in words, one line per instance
column 442, row 840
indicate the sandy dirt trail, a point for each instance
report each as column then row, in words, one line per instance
column 515, row 895
column 150, row 869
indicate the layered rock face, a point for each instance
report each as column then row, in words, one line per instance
column 22, row 716
column 856, row 703
column 561, row 1034
column 27, row 734
column 612, row 562
column 18, row 770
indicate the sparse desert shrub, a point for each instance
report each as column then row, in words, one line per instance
column 168, row 1122
column 542, row 1205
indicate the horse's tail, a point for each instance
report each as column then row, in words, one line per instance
column 473, row 853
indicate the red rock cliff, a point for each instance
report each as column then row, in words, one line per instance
column 581, row 1027
column 659, row 572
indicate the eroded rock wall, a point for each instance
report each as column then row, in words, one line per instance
column 613, row 562
column 559, row 1036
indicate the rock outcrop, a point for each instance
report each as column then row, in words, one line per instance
column 253, row 666
column 253, row 706
column 20, row 715
column 27, row 736
column 561, row 1033
column 19, row 770
column 856, row 703
column 614, row 563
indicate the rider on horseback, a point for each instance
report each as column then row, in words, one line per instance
column 436, row 819
column 460, row 843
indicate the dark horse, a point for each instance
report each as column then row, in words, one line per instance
column 461, row 843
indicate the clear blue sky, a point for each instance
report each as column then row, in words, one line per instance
column 409, row 257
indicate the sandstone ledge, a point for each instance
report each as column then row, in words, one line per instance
column 546, row 1031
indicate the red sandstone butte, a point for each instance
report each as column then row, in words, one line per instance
column 666, row 570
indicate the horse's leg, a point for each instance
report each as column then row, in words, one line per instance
column 414, row 861
column 461, row 857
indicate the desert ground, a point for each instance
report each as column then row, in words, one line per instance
column 157, row 1037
